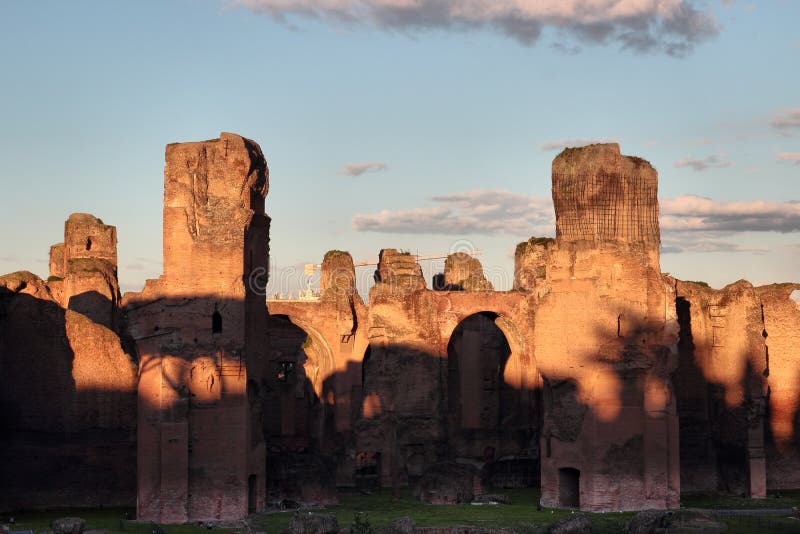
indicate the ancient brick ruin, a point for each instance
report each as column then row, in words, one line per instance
column 609, row 385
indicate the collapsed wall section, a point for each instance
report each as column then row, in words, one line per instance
column 721, row 388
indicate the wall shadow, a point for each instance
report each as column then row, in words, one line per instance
column 62, row 444
column 401, row 421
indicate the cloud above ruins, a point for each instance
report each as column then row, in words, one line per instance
column 478, row 211
column 787, row 120
column 794, row 157
column 694, row 213
column 709, row 162
column 357, row 169
column 688, row 223
column 675, row 244
column 673, row 27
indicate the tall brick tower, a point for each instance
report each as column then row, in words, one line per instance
column 604, row 337
column 198, row 328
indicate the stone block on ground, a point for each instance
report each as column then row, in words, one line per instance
column 68, row 525
column 492, row 498
column 305, row 522
column 574, row 524
column 677, row 521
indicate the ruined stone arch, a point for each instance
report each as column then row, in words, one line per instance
column 324, row 365
column 492, row 390
column 520, row 369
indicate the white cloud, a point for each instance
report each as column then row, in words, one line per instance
column 679, row 244
column 479, row 211
column 560, row 144
column 789, row 156
column 670, row 26
column 688, row 223
column 693, row 213
column 714, row 160
column 787, row 119
column 357, row 169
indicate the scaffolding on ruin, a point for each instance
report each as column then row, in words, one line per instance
column 606, row 207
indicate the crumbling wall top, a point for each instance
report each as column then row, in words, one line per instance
column 86, row 236
column 215, row 228
column 600, row 195
column 230, row 160
column 337, row 274
column 464, row 272
column 399, row 269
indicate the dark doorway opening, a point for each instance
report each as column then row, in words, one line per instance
column 252, row 494
column 480, row 405
column 368, row 471
column 569, row 487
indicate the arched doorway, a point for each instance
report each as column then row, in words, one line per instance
column 476, row 357
column 492, row 416
column 299, row 414
column 569, row 487
column 300, row 396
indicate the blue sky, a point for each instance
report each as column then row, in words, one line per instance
column 452, row 110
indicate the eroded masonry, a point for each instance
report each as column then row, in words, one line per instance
column 608, row 384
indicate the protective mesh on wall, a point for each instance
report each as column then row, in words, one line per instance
column 606, row 207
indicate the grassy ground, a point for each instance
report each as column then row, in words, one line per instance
column 520, row 516
column 762, row 525
column 111, row 520
column 783, row 499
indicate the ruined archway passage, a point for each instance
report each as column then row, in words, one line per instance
column 299, row 416
column 488, row 418
column 296, row 391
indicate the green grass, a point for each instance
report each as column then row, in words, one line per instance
column 521, row 515
column 109, row 519
column 783, row 499
column 762, row 525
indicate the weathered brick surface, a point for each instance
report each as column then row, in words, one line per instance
column 201, row 330
column 721, row 388
column 782, row 337
column 582, row 369
column 605, row 323
column 601, row 195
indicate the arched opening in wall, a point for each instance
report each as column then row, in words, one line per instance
column 299, row 370
column 299, row 415
column 216, row 322
column 569, row 487
column 88, row 243
column 488, row 418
